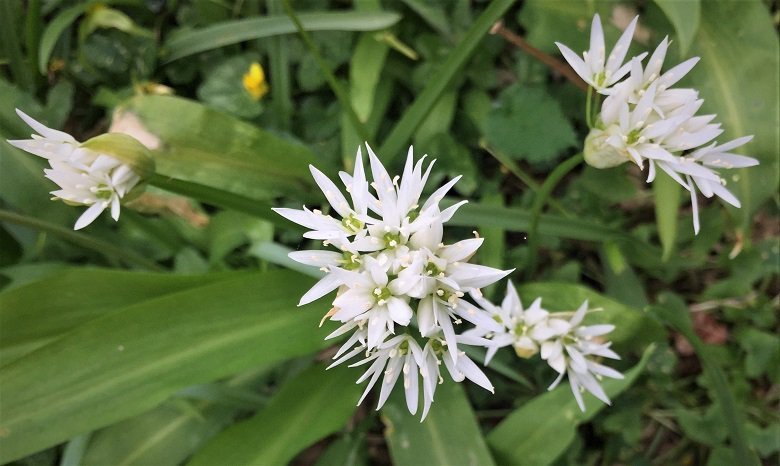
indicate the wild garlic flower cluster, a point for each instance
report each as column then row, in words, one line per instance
column 569, row 347
column 644, row 118
column 400, row 288
column 99, row 173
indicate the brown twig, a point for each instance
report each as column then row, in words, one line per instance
column 545, row 58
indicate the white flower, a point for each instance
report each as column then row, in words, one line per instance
column 569, row 348
column 99, row 173
column 592, row 67
column 398, row 355
column 371, row 296
column 353, row 217
column 510, row 324
column 437, row 351
column 100, row 186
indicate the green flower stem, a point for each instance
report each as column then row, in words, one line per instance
column 104, row 247
column 418, row 111
column 539, row 202
column 341, row 94
column 219, row 198
column 588, row 104
column 521, row 175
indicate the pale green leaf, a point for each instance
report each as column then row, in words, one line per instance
column 203, row 146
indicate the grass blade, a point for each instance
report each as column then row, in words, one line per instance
column 232, row 32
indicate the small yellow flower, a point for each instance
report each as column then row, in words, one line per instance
column 254, row 82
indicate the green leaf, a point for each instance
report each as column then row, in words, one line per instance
column 131, row 360
column 166, row 435
column 414, row 115
column 449, row 435
column 171, row 432
column 433, row 14
column 541, row 430
column 34, row 314
column 529, row 124
column 219, row 35
column 633, row 328
column 309, row 407
column 738, row 40
column 684, row 16
column 54, row 30
column 667, row 194
column 203, row 146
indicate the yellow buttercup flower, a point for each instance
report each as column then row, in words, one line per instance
column 254, row 82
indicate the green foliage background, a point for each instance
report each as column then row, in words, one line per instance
column 173, row 335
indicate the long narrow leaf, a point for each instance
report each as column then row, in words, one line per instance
column 232, row 32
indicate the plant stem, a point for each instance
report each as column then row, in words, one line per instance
column 80, row 239
column 588, row 112
column 545, row 58
column 518, row 172
column 341, row 94
column 539, row 202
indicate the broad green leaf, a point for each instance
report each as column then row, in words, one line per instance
column 203, row 146
column 449, row 435
column 34, row 314
column 166, row 435
column 527, row 123
column 633, row 328
column 667, row 193
column 541, row 430
column 684, row 16
column 219, row 35
column 132, row 359
column 738, row 40
column 171, row 432
column 392, row 149
column 309, row 407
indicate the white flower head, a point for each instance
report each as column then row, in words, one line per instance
column 399, row 287
column 98, row 173
column 645, row 120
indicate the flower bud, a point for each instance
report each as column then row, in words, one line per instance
column 125, row 149
column 598, row 153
